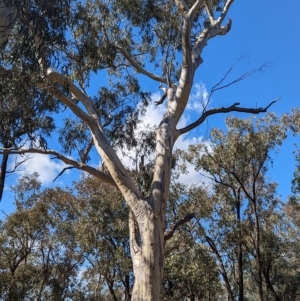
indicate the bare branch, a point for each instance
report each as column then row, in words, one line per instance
column 242, row 77
column 168, row 234
column 93, row 171
column 232, row 108
column 116, row 168
column 159, row 102
column 186, row 34
column 139, row 68
column 18, row 163
column 66, row 168
column 210, row 32
column 75, row 91
column 86, row 151
column 225, row 11
column 218, row 86
column 165, row 90
column 73, row 106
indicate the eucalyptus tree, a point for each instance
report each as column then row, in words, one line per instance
column 36, row 262
column 25, row 117
column 237, row 162
column 62, row 46
column 25, row 110
column 190, row 271
column 100, row 232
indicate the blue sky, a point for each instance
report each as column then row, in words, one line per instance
column 266, row 31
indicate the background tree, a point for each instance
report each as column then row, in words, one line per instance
column 240, row 232
column 102, row 37
column 36, row 263
column 77, row 246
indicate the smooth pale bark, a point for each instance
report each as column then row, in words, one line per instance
column 8, row 15
column 147, row 259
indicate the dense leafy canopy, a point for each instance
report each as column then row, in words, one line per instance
column 73, row 243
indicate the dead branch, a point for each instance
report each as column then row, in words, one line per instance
column 66, row 168
column 86, row 151
column 138, row 67
column 18, row 163
column 79, row 165
column 169, row 233
column 232, row 108
column 219, row 86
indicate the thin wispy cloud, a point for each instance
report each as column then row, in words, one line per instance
column 47, row 168
column 198, row 98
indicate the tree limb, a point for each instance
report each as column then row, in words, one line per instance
column 182, row 5
column 232, row 108
column 116, row 168
column 76, row 92
column 220, row 85
column 86, row 151
column 139, row 68
column 208, row 8
column 168, row 234
column 203, row 38
column 225, row 11
column 245, row 75
column 194, row 9
column 186, row 33
column 66, row 168
column 70, row 103
column 213, row 30
column 93, row 171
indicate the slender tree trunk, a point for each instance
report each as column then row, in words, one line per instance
column 3, row 167
column 222, row 268
column 127, row 288
column 270, row 286
column 2, row 173
column 240, row 254
column 110, row 285
column 257, row 251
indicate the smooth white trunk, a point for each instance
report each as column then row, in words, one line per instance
column 147, row 257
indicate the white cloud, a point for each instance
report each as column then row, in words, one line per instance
column 47, row 168
column 193, row 176
column 153, row 117
column 198, row 98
